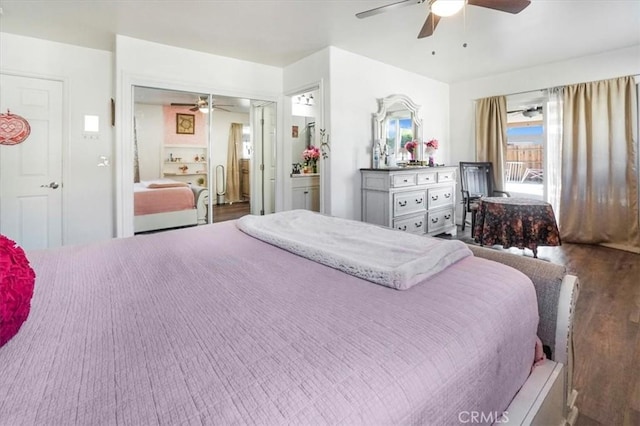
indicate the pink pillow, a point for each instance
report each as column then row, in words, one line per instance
column 16, row 288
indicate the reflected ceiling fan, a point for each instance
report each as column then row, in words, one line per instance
column 202, row 105
column 533, row 111
column 443, row 8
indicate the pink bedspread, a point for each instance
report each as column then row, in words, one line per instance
column 208, row 325
column 161, row 200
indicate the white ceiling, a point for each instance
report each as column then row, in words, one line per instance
column 282, row 32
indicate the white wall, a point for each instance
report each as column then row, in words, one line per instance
column 611, row 64
column 87, row 78
column 150, row 132
column 139, row 62
column 356, row 84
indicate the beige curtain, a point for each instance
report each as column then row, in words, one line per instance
column 599, row 196
column 234, row 153
column 491, row 134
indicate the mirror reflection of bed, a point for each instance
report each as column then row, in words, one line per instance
column 190, row 158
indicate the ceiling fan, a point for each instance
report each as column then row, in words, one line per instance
column 202, row 105
column 443, row 8
column 528, row 112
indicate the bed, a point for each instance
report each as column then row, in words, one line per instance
column 165, row 203
column 213, row 326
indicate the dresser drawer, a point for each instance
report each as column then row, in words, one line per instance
column 402, row 180
column 439, row 219
column 408, row 202
column 446, row 176
column 440, row 196
column 426, row 178
column 414, row 225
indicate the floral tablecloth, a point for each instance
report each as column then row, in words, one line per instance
column 516, row 222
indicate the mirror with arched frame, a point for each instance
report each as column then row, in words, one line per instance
column 396, row 123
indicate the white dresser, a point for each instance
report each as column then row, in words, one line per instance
column 420, row 200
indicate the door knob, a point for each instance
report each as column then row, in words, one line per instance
column 52, row 185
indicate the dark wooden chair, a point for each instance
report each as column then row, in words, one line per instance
column 476, row 181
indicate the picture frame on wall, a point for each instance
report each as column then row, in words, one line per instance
column 185, row 124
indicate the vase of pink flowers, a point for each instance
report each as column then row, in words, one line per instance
column 310, row 157
column 431, row 147
column 411, row 148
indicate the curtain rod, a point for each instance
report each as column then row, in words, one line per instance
column 524, row 92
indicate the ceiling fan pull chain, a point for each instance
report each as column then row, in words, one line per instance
column 464, row 23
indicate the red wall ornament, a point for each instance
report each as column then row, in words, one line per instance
column 13, row 129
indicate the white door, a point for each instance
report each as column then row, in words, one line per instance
column 270, row 158
column 31, row 172
column 264, row 142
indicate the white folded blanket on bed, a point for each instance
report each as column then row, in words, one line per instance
column 163, row 183
column 381, row 255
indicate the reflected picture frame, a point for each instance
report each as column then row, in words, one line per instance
column 185, row 124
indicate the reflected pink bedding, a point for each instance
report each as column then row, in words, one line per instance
column 160, row 200
column 208, row 325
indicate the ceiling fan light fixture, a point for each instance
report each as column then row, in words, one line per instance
column 444, row 8
column 204, row 109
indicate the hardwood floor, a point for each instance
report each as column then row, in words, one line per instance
column 230, row 211
column 607, row 330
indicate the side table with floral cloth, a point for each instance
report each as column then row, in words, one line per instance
column 515, row 222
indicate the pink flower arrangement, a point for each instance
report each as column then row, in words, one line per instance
column 311, row 154
column 430, row 145
column 16, row 288
column 411, row 146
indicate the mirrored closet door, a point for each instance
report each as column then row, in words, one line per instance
column 197, row 158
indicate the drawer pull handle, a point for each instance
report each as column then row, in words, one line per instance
column 447, row 216
column 418, row 225
column 447, row 195
column 434, row 197
column 402, row 228
column 418, row 201
column 446, row 177
column 435, row 220
column 405, row 180
column 402, row 203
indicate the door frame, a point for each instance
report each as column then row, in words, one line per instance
column 324, row 164
column 123, row 170
column 65, row 145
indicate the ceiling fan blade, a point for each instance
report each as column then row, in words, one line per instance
column 221, row 109
column 387, row 8
column 178, row 104
column 429, row 25
column 194, row 109
column 510, row 6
